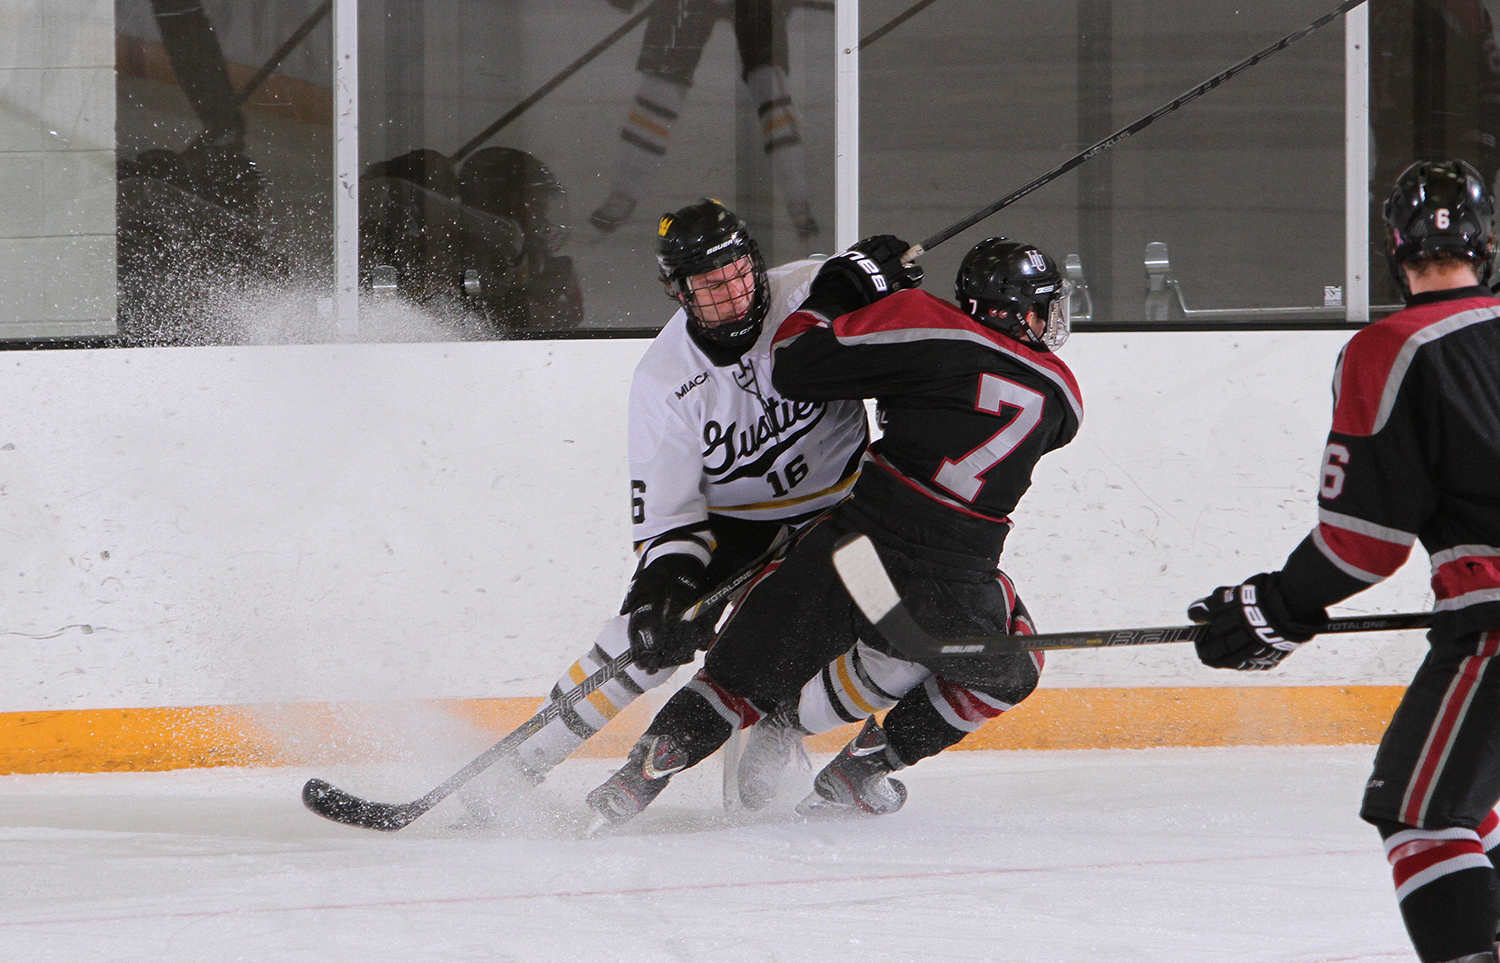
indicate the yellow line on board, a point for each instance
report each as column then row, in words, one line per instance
column 106, row 740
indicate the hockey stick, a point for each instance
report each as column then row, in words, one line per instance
column 918, row 250
column 865, row 577
column 274, row 63
column 895, row 22
column 557, row 80
column 333, row 803
column 613, row 38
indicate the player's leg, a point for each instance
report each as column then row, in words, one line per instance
column 851, row 688
column 736, row 543
column 779, row 635
column 1432, row 795
column 670, row 51
column 760, row 32
column 959, row 696
column 492, row 794
column 557, row 740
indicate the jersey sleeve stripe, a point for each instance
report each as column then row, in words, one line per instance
column 1359, row 526
column 678, row 545
column 1367, row 389
column 795, row 324
column 1466, row 575
column 1359, row 556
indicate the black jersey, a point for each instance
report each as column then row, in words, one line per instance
column 966, row 412
column 1414, row 454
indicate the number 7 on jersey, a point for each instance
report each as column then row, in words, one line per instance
column 965, row 477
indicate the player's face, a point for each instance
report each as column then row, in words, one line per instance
column 724, row 294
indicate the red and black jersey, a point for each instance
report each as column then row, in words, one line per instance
column 1414, row 454
column 966, row 412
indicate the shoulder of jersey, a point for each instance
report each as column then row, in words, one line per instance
column 915, row 315
column 1374, row 363
column 790, row 284
column 673, row 366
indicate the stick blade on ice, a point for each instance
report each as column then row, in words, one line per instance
column 333, row 803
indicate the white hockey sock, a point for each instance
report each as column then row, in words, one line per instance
column 645, row 135
column 781, row 132
column 857, row 684
column 556, row 740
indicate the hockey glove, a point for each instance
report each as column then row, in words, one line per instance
column 869, row 270
column 1249, row 626
column 659, row 639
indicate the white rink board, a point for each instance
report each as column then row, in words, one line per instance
column 254, row 524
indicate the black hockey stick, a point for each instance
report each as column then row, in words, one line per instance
column 865, row 577
column 918, row 250
column 333, row 803
column 274, row 63
column 556, row 81
column 613, row 38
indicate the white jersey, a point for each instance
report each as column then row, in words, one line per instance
column 705, row 438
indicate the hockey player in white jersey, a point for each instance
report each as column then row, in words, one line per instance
column 721, row 466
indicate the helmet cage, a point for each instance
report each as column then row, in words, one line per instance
column 705, row 237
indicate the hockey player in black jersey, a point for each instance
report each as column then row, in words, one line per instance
column 1413, row 455
column 721, row 467
column 969, row 398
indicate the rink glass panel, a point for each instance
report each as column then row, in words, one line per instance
column 1241, row 190
column 224, row 166
column 154, row 197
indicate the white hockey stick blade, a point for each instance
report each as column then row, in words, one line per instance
column 868, row 583
column 865, row 577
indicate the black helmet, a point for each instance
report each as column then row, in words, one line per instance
column 1000, row 280
column 703, row 237
column 512, row 183
column 1439, row 207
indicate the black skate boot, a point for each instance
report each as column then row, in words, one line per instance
column 857, row 782
column 769, row 748
column 646, row 772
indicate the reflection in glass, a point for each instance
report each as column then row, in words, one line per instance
column 223, row 189
column 1434, row 95
column 496, row 125
column 960, row 109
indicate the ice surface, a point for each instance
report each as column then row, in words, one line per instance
column 1170, row 855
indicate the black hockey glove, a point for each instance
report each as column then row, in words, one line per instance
column 1249, row 626
column 870, row 270
column 659, row 639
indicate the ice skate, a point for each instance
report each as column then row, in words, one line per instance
column 615, row 210
column 646, row 772
column 857, row 782
column 770, row 747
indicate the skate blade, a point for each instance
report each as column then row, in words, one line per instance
column 730, row 752
column 816, row 808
